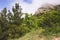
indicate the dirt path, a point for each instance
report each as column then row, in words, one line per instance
column 56, row 38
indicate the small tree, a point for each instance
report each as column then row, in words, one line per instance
column 17, row 10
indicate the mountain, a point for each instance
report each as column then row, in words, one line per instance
column 46, row 7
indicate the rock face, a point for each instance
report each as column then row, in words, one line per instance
column 57, row 7
column 44, row 8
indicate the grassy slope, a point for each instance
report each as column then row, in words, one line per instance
column 35, row 35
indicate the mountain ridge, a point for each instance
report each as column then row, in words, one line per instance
column 47, row 7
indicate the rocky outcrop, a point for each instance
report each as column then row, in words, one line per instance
column 46, row 7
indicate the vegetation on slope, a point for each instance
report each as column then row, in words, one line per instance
column 13, row 26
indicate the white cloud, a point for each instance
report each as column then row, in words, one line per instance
column 31, row 8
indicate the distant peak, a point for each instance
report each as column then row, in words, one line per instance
column 47, row 5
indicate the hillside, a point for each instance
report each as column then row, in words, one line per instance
column 36, row 35
column 43, row 26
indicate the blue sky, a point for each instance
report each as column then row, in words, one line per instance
column 29, row 6
column 28, row 1
column 5, row 3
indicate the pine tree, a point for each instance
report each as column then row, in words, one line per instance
column 17, row 10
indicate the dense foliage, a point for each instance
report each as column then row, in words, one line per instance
column 12, row 25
